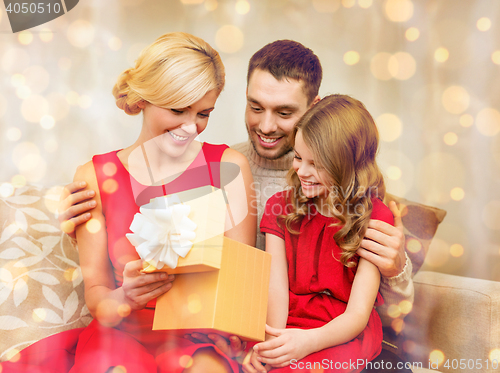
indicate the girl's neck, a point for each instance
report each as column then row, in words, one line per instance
column 322, row 206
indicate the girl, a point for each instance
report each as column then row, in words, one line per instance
column 321, row 295
column 175, row 83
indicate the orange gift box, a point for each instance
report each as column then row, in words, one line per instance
column 230, row 301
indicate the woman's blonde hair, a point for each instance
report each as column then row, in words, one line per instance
column 343, row 139
column 175, row 71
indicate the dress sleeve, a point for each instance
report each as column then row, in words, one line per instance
column 271, row 222
column 381, row 212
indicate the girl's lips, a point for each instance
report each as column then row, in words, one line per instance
column 308, row 184
column 268, row 142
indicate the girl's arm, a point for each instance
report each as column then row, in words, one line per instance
column 241, row 222
column 292, row 344
column 104, row 300
column 277, row 306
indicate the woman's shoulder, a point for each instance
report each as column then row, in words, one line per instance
column 381, row 212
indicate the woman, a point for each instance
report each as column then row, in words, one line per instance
column 175, row 83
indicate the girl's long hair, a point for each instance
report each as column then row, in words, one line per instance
column 343, row 139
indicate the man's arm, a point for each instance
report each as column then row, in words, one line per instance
column 74, row 206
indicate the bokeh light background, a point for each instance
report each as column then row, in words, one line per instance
column 428, row 71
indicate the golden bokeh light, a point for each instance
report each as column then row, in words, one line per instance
column 93, row 225
column 194, row 303
column 17, row 80
column 14, row 60
column 398, row 325
column 436, row 356
column 109, row 169
column 34, row 108
column 124, row 310
column 379, row 66
column 405, row 306
column 118, row 369
column 37, row 78
column 389, row 127
column 494, row 354
column 457, row 194
column 64, row 63
column 455, row 99
column 58, row 105
column 394, row 311
column 229, row 39
column 488, row 122
column 412, row 34
column 450, row 138
column 84, row 101
column 110, row 186
column 23, row 92
column 70, row 274
column 441, row 54
column 107, row 312
column 456, row 250
column 211, row 5
column 51, row 145
column 68, row 226
column 115, row 43
column 192, row 2
column 81, row 33
column 466, row 120
column 439, row 253
column 398, row 10
column 348, row 3
column 18, row 181
column 413, row 245
column 351, row 57
column 242, row 7
column 6, row 190
column 46, row 35
column 483, row 24
column 495, row 57
column 39, row 315
column 13, row 134
column 365, row 4
column 402, row 66
column 25, row 37
column 185, row 361
column 394, row 173
column 326, row 6
column 47, row 122
column 72, row 97
column 491, row 215
column 13, row 355
column 51, row 198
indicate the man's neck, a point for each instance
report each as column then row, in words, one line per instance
column 283, row 163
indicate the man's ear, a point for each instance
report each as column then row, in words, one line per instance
column 315, row 101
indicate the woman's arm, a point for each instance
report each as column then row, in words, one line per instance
column 241, row 222
column 297, row 343
column 101, row 295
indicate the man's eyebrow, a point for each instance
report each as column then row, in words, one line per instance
column 290, row 107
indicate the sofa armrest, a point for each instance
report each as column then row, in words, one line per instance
column 458, row 316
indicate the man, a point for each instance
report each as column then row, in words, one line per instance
column 282, row 84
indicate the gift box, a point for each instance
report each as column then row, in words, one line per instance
column 229, row 301
column 182, row 232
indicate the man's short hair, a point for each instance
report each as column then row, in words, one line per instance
column 289, row 59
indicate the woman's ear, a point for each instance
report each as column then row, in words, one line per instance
column 141, row 104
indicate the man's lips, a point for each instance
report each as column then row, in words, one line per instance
column 269, row 142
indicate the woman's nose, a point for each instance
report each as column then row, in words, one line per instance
column 189, row 128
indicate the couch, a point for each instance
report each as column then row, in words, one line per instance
column 454, row 322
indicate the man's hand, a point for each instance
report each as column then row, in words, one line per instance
column 233, row 348
column 74, row 206
column 384, row 245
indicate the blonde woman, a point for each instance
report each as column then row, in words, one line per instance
column 175, row 84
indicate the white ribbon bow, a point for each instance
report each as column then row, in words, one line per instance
column 162, row 232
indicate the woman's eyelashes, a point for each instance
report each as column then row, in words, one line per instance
column 180, row 112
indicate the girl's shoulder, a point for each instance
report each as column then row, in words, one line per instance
column 381, row 211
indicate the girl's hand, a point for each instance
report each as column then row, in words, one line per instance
column 288, row 344
column 251, row 364
column 140, row 288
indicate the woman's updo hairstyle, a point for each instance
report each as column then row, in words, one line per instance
column 175, row 71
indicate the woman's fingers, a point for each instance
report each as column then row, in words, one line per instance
column 74, row 206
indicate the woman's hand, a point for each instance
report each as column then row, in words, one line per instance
column 74, row 206
column 232, row 348
column 288, row 344
column 140, row 288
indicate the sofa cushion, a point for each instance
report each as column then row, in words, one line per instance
column 41, row 287
column 420, row 223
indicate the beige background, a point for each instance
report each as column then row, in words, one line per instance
column 428, row 71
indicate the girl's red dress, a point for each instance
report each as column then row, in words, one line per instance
column 131, row 344
column 320, row 285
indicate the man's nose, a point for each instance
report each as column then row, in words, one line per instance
column 268, row 124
